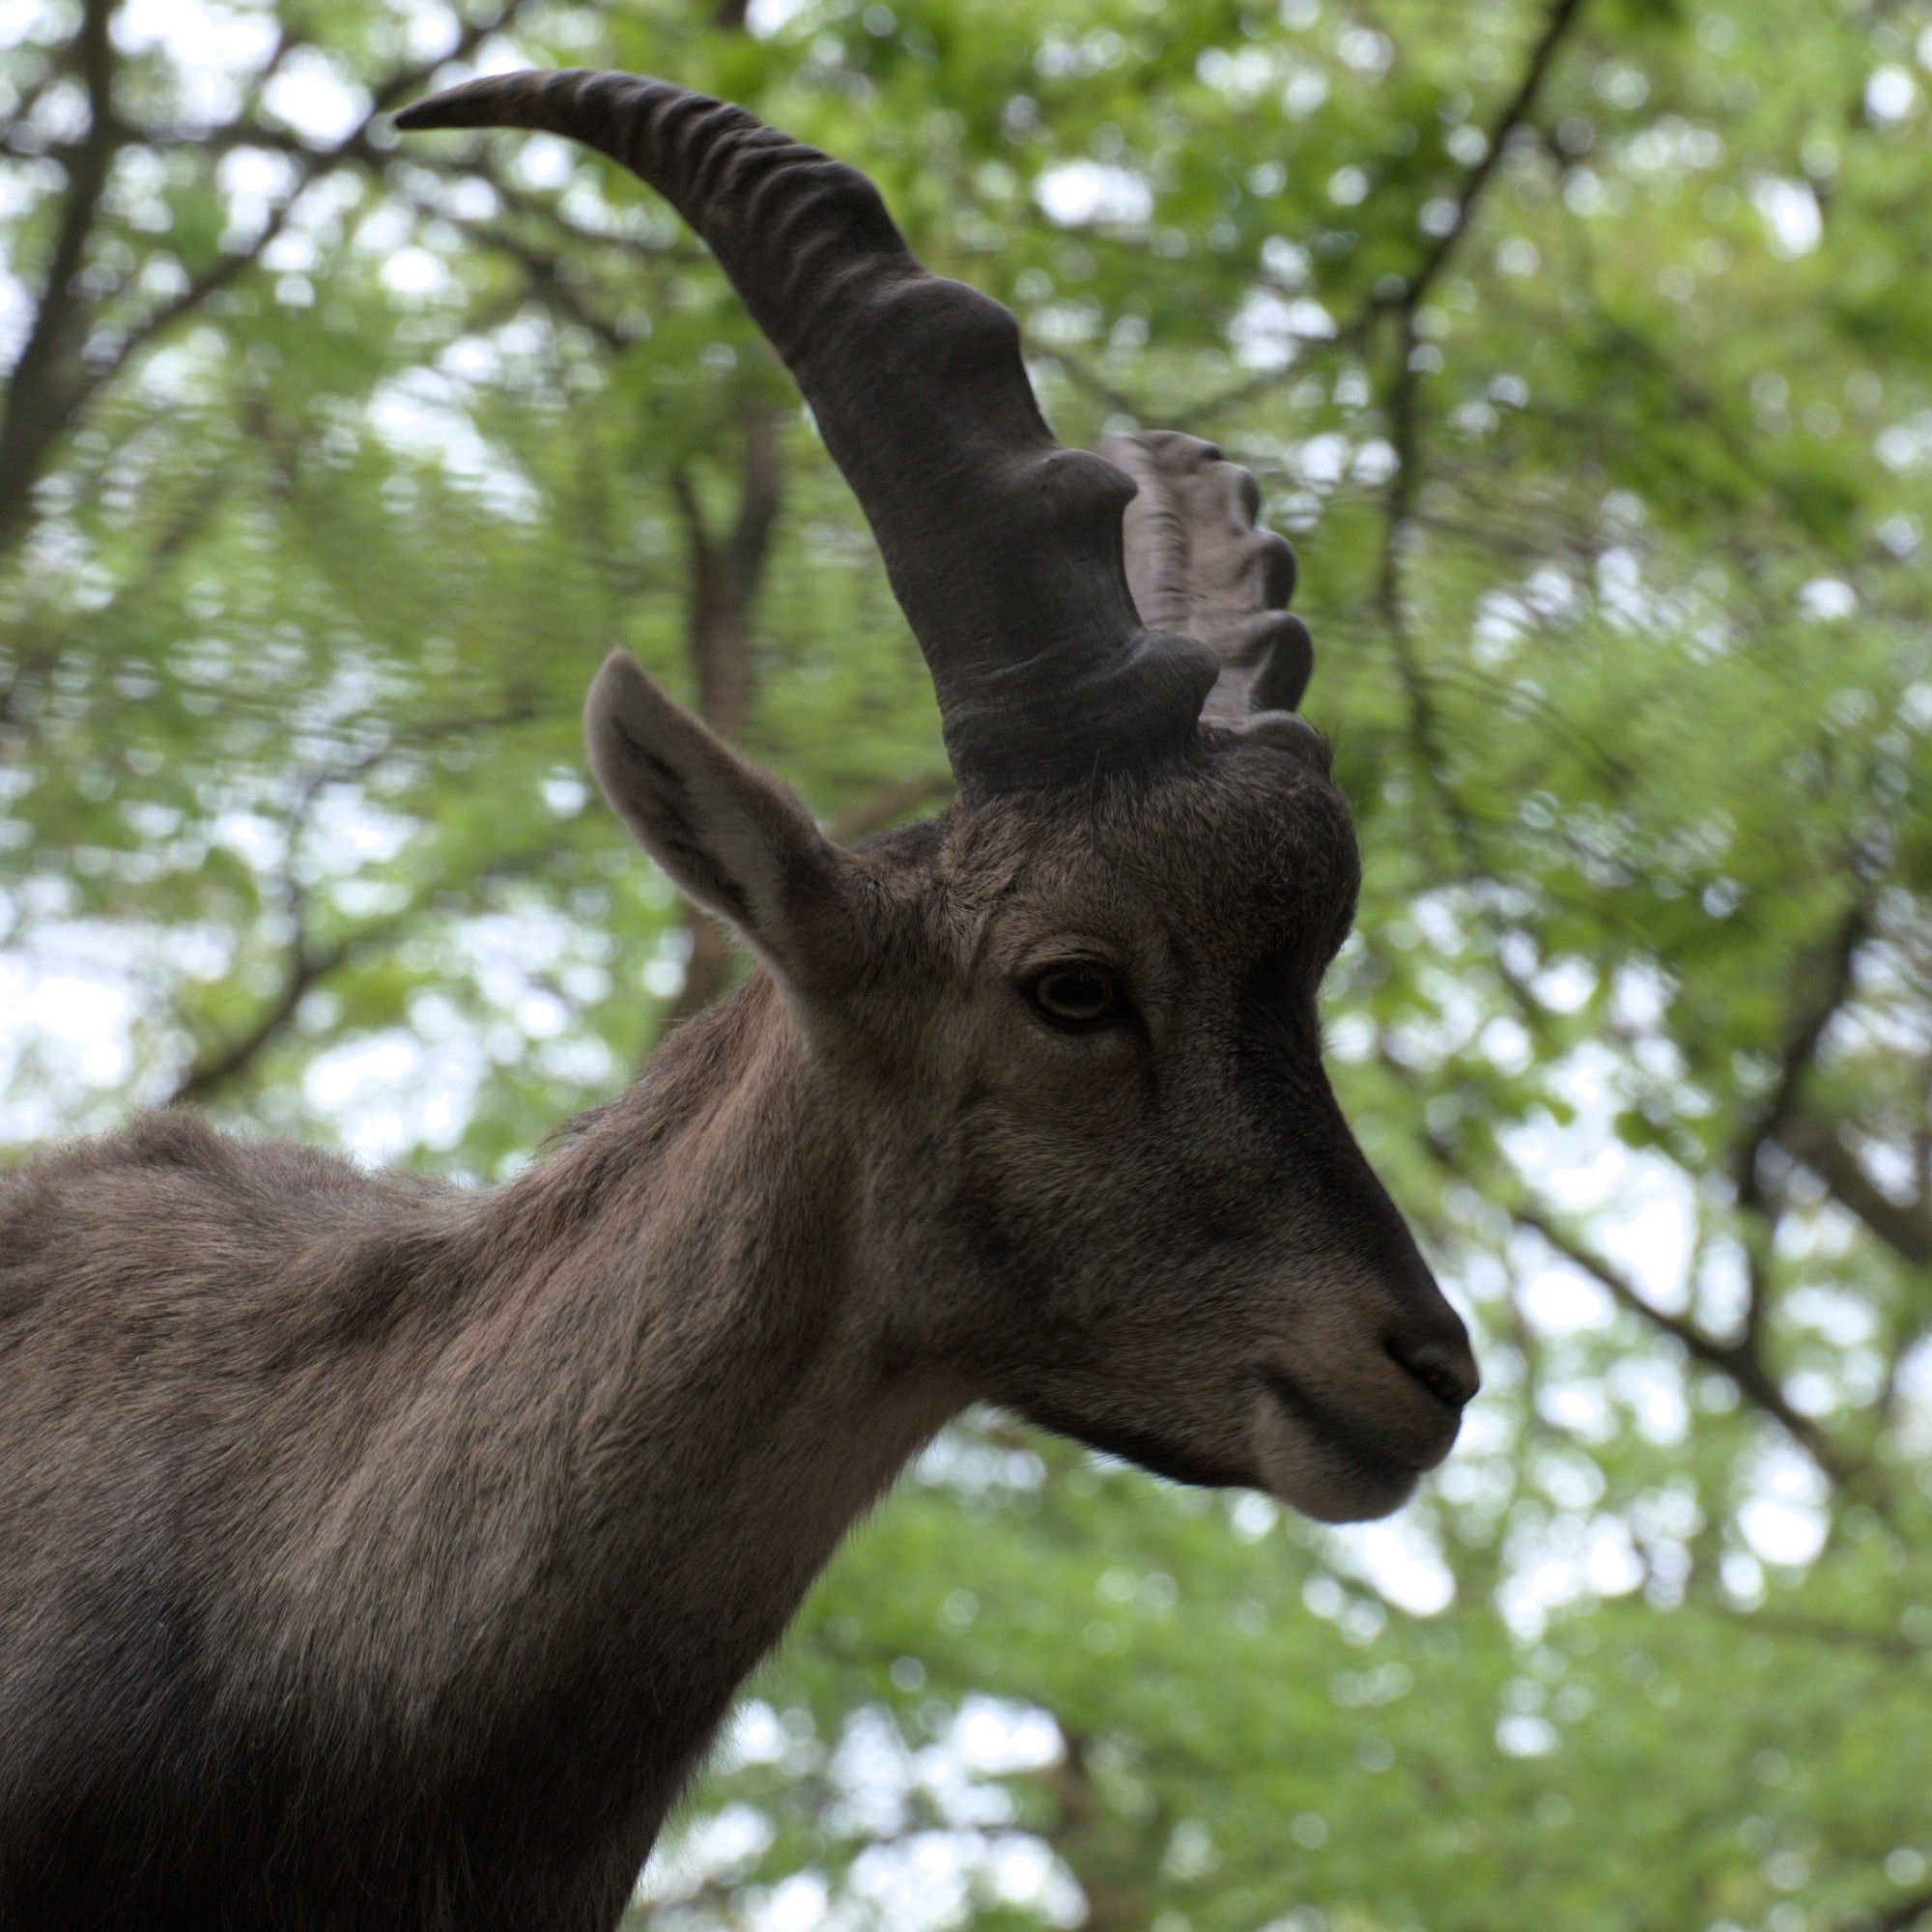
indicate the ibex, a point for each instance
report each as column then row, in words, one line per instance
column 376, row 1554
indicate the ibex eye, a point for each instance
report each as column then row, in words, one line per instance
column 1076, row 996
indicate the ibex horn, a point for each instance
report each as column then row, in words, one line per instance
column 1004, row 548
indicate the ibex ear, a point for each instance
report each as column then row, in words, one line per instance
column 736, row 841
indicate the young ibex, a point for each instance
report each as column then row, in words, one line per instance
column 373, row 1555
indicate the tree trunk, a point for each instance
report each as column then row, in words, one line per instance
column 726, row 572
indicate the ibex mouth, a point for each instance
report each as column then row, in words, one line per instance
column 1369, row 1446
column 1333, row 1465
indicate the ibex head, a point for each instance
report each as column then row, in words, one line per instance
column 1105, row 1180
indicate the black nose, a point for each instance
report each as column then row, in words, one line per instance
column 1442, row 1363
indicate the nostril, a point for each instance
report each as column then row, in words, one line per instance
column 1445, row 1369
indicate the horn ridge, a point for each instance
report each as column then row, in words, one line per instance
column 1004, row 548
column 1199, row 562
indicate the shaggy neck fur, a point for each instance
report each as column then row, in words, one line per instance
column 497, row 1500
column 696, row 1298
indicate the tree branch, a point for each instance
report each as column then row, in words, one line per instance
column 888, row 806
column 1562, row 17
column 1905, row 1229
column 726, row 572
column 1087, row 379
column 45, row 378
column 1832, row 975
column 1911, row 1910
column 217, row 1066
column 353, row 146
column 42, row 403
column 1405, row 412
column 543, row 271
column 1739, row 1363
column 1759, row 1204
column 307, row 967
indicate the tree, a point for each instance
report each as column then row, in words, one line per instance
column 1580, row 347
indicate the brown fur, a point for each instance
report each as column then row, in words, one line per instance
column 375, row 1554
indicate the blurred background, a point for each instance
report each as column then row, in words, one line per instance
column 1585, row 351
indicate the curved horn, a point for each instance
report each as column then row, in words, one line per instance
column 1198, row 563
column 1003, row 548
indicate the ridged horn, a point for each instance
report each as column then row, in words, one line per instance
column 1004, row 548
column 1198, row 563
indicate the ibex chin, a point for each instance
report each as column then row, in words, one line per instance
column 375, row 1554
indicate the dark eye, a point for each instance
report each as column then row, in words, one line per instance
column 1077, row 995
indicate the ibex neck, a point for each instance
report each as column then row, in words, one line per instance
column 737, row 1408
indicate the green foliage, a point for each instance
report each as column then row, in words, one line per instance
column 1606, row 456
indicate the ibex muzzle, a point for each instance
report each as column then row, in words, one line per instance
column 384, row 1555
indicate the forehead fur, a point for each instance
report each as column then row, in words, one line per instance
column 1246, row 840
